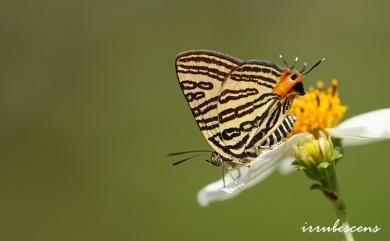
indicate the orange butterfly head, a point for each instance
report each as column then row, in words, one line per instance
column 290, row 82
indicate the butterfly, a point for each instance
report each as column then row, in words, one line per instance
column 241, row 107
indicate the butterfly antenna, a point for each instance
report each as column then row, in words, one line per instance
column 319, row 62
column 295, row 62
column 185, row 159
column 284, row 61
column 186, row 152
column 304, row 67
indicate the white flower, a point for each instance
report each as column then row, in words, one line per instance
column 362, row 129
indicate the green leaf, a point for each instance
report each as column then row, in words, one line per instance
column 316, row 186
column 337, row 154
column 295, row 163
column 323, row 165
column 337, row 144
column 336, row 141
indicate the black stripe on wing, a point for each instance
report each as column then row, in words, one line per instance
column 280, row 133
column 200, row 74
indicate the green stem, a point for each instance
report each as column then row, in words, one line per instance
column 340, row 210
column 332, row 192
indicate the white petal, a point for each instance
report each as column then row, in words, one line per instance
column 216, row 192
column 260, row 168
column 363, row 129
column 286, row 166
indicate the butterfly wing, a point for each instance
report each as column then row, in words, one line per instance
column 201, row 74
column 272, row 125
column 279, row 133
column 248, row 110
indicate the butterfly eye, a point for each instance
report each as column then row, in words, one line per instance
column 294, row 76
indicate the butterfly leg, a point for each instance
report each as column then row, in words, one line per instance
column 232, row 176
column 241, row 163
column 223, row 174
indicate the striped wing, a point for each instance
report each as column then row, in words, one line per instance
column 201, row 75
column 280, row 133
column 271, row 124
column 248, row 111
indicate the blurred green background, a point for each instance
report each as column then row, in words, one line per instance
column 90, row 104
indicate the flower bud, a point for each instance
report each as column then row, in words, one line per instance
column 314, row 154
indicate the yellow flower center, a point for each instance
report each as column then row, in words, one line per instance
column 317, row 109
